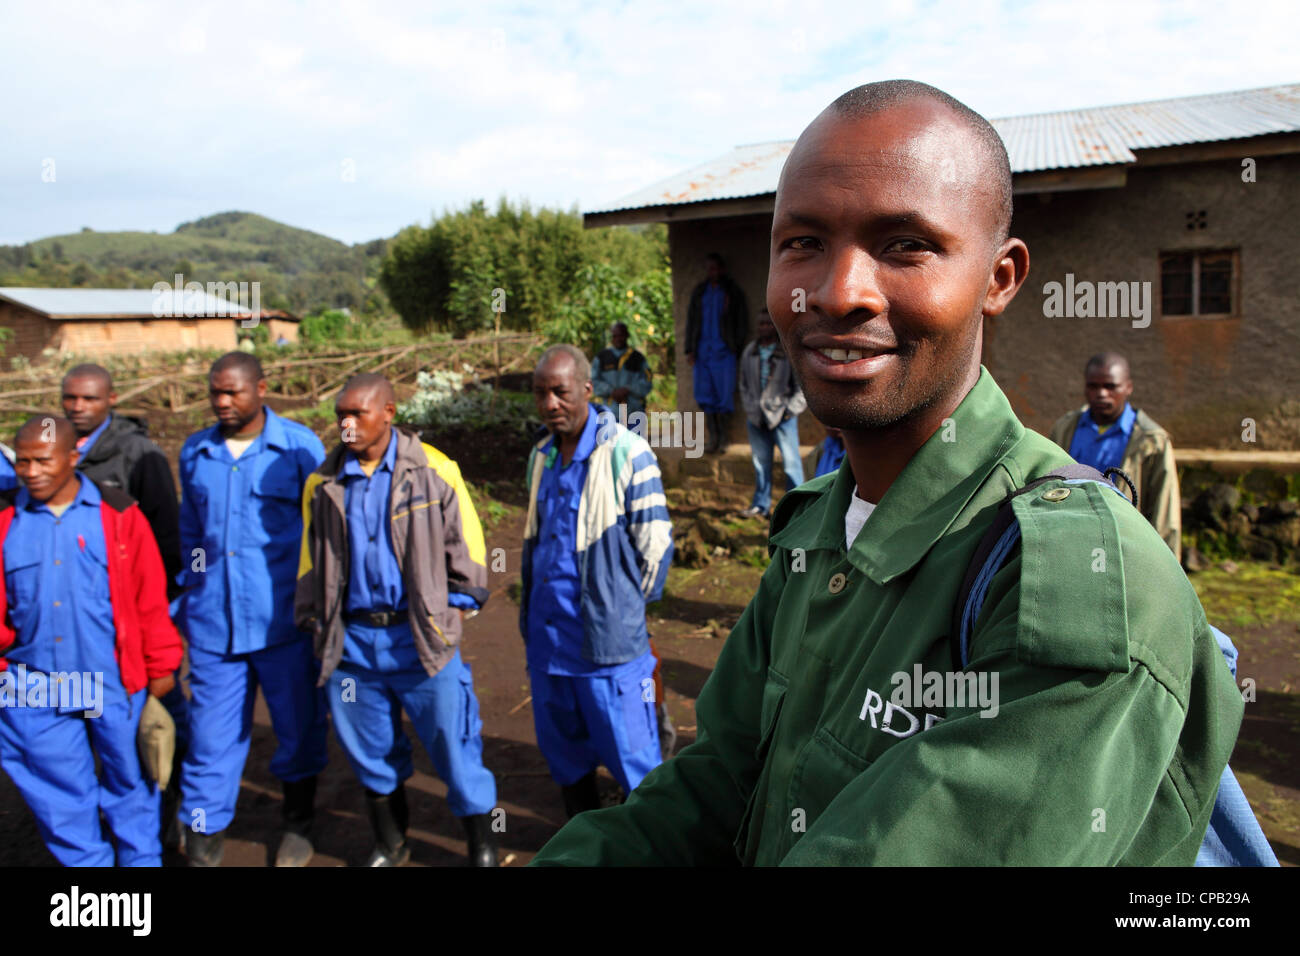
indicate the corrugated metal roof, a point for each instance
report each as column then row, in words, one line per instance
column 120, row 303
column 1100, row 136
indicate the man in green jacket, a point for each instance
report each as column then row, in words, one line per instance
column 1096, row 714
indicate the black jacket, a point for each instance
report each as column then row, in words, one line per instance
column 123, row 457
column 735, row 317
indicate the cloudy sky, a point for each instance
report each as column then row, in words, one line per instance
column 355, row 119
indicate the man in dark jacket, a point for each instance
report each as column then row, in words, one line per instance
column 116, row 453
column 717, row 324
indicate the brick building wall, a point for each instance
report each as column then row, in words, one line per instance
column 130, row 336
column 32, row 332
column 1197, row 377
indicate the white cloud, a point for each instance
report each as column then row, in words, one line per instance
column 255, row 105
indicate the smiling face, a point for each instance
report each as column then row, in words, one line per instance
column 889, row 226
column 45, row 458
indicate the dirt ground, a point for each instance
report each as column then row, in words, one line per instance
column 688, row 627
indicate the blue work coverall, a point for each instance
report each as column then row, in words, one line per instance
column 381, row 674
column 241, row 530
column 715, row 363
column 1102, row 449
column 584, row 714
column 57, row 592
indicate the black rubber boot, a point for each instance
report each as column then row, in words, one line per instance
column 581, row 796
column 299, row 810
column 205, row 849
column 482, row 840
column 389, row 817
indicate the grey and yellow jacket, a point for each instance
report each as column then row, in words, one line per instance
column 437, row 540
column 767, row 408
column 1149, row 461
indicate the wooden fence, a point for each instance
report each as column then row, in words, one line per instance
column 183, row 385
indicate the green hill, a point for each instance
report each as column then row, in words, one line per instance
column 299, row 270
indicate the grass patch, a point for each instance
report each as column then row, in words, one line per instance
column 1255, row 596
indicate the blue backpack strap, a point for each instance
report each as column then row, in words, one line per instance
column 992, row 552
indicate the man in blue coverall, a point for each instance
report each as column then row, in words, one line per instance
column 241, row 526
column 597, row 547
column 85, row 636
column 393, row 557
column 717, row 325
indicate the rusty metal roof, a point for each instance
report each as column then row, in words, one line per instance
column 121, row 303
column 1099, row 136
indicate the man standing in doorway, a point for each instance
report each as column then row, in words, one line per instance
column 717, row 324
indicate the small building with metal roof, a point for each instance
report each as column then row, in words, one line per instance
column 117, row 321
column 1197, row 199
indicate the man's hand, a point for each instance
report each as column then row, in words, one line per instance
column 162, row 686
column 690, row 358
column 620, row 394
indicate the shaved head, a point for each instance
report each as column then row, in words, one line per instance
column 1104, row 361
column 368, row 382
column 981, row 156
column 241, row 362
column 48, row 427
column 559, row 355
column 88, row 370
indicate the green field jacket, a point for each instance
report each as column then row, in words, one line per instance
column 1109, row 719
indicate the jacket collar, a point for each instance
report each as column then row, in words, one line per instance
column 351, row 466
column 923, row 502
column 410, row 454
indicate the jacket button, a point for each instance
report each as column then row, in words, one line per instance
column 838, row 580
column 1056, row 494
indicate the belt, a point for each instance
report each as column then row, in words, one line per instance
column 378, row 618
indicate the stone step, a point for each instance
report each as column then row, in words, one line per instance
column 735, row 464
